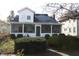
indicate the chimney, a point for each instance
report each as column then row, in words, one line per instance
column 12, row 15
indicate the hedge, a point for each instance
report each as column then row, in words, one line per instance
column 12, row 36
column 30, row 45
column 63, row 42
column 47, row 36
column 19, row 35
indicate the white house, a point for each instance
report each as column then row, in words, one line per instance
column 29, row 23
column 70, row 27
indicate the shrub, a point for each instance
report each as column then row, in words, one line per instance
column 27, row 35
column 19, row 35
column 7, row 47
column 69, row 43
column 63, row 42
column 47, row 36
column 12, row 36
column 54, row 35
column 30, row 45
column 62, row 35
column 26, row 39
column 53, row 41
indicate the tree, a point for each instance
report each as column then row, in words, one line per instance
column 71, row 9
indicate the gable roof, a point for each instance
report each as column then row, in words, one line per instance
column 25, row 9
column 44, row 18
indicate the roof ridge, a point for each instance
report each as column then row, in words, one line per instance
column 26, row 8
column 42, row 14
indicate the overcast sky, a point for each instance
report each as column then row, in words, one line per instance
column 7, row 5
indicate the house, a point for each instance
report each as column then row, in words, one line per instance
column 70, row 26
column 27, row 22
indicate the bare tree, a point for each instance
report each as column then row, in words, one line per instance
column 71, row 9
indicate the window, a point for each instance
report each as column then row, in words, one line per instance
column 74, row 29
column 56, row 28
column 65, row 29
column 69, row 29
column 15, row 28
column 46, row 28
column 28, row 17
column 29, row 28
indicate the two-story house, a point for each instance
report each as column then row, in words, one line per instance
column 29, row 23
column 70, row 26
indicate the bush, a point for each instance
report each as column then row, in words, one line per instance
column 47, row 36
column 30, row 45
column 26, row 39
column 27, row 35
column 19, row 35
column 12, row 36
column 54, row 35
column 53, row 40
column 63, row 42
column 62, row 35
column 7, row 47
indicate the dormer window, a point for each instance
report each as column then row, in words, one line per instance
column 28, row 17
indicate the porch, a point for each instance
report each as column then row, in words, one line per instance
column 35, row 30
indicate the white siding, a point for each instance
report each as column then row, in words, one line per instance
column 78, row 27
column 71, row 23
column 23, row 16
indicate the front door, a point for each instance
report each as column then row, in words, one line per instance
column 38, row 31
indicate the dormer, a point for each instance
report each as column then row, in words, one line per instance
column 26, row 15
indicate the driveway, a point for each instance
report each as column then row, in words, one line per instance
column 49, row 52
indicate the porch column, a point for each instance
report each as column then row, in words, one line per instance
column 10, row 28
column 51, row 29
column 23, row 28
column 35, row 28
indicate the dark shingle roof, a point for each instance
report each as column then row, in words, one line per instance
column 44, row 18
column 16, row 18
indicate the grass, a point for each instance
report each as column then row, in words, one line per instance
column 7, row 47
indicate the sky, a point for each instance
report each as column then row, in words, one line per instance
column 7, row 5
